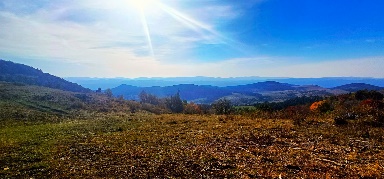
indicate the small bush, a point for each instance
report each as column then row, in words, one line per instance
column 192, row 108
column 320, row 106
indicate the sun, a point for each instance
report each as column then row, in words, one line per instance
column 142, row 4
column 150, row 8
column 143, row 7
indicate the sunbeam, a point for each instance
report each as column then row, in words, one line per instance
column 141, row 6
column 147, row 33
column 190, row 22
column 201, row 28
column 207, row 33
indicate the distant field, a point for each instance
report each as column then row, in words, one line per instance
column 144, row 145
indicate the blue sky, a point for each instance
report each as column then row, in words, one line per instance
column 218, row 38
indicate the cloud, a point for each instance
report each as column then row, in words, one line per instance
column 104, row 43
column 363, row 67
column 106, row 39
column 46, row 29
column 281, row 67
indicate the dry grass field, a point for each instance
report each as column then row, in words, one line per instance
column 143, row 145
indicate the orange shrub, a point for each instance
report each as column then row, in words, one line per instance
column 315, row 106
column 320, row 106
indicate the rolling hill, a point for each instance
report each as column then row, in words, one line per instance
column 19, row 73
column 246, row 94
column 353, row 87
column 36, row 103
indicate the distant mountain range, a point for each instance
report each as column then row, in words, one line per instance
column 241, row 94
column 328, row 82
column 241, row 91
column 19, row 73
column 353, row 87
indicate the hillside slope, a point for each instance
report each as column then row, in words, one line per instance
column 36, row 103
column 19, row 73
column 20, row 101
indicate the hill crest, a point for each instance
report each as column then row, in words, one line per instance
column 19, row 73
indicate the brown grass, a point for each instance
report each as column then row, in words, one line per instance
column 190, row 146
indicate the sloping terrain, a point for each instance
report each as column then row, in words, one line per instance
column 28, row 103
column 25, row 101
column 19, row 73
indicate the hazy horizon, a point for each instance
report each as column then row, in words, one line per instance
column 185, row 38
column 233, row 77
column 330, row 82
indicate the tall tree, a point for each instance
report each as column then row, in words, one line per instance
column 175, row 104
column 223, row 106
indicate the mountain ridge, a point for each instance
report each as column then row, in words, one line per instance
column 326, row 82
column 243, row 94
column 20, row 73
column 353, row 87
column 204, row 92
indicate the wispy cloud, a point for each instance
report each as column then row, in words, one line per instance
column 107, row 39
column 85, row 24
column 281, row 67
column 101, row 34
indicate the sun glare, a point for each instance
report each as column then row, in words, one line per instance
column 141, row 4
column 148, row 7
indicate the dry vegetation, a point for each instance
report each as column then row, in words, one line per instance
column 47, row 133
column 190, row 146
